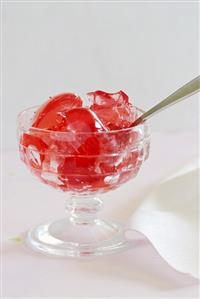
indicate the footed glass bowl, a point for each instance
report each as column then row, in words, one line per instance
column 84, row 165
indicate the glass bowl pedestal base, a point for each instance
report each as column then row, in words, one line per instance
column 81, row 234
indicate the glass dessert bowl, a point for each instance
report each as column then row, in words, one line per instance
column 107, row 159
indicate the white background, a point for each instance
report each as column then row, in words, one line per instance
column 148, row 49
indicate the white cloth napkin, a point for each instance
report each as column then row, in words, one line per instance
column 168, row 217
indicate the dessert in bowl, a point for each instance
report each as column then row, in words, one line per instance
column 84, row 151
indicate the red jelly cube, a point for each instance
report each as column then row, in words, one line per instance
column 82, row 146
column 50, row 115
column 114, row 109
column 32, row 150
column 80, row 122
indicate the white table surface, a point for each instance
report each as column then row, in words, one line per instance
column 137, row 273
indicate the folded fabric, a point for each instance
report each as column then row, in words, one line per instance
column 168, row 217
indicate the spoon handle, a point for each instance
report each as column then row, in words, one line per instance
column 182, row 93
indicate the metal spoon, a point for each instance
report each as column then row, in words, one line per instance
column 182, row 93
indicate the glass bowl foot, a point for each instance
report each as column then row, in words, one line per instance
column 63, row 238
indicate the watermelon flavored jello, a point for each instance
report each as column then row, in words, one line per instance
column 84, row 150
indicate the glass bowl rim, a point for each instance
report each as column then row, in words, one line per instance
column 135, row 128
